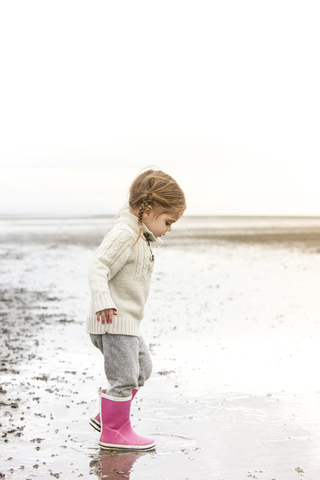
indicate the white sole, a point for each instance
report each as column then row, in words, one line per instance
column 110, row 446
column 95, row 424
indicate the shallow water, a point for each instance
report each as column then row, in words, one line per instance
column 233, row 329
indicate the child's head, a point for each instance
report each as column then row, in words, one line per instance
column 157, row 200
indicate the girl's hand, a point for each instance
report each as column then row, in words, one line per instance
column 106, row 315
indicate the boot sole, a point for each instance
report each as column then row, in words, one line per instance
column 95, row 424
column 110, row 446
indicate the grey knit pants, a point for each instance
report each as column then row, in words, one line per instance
column 127, row 362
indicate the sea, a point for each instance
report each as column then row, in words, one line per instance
column 89, row 230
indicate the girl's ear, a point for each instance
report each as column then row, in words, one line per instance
column 147, row 211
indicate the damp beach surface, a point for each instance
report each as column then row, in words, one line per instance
column 233, row 326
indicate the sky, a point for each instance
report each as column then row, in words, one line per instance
column 222, row 95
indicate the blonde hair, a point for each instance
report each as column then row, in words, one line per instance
column 156, row 189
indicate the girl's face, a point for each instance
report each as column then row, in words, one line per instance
column 160, row 223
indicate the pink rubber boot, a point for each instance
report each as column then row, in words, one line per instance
column 116, row 430
column 95, row 421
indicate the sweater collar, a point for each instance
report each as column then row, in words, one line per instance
column 132, row 221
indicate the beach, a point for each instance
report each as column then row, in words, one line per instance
column 233, row 326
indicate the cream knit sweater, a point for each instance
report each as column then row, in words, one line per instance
column 119, row 277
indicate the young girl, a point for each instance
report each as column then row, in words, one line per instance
column 119, row 279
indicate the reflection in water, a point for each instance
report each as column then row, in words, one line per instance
column 114, row 465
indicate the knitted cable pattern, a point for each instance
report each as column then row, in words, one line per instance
column 119, row 277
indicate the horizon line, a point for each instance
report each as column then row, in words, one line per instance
column 6, row 215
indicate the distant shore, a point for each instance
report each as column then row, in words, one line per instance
column 89, row 230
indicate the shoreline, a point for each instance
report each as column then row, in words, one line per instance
column 89, row 231
column 233, row 330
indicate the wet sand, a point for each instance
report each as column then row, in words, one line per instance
column 233, row 326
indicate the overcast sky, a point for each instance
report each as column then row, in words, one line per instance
column 223, row 95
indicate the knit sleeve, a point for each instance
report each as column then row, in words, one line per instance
column 110, row 257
